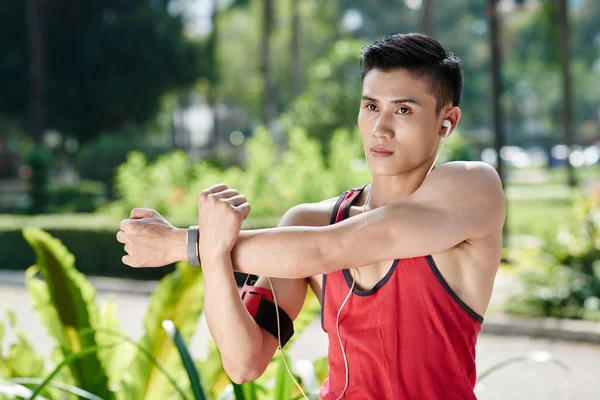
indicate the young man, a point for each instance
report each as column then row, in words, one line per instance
column 412, row 257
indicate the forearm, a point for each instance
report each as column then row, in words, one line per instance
column 285, row 252
column 235, row 332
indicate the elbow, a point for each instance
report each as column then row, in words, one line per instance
column 239, row 373
column 242, row 375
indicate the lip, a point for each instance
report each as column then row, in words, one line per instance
column 380, row 151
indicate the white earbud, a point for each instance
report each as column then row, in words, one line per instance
column 447, row 124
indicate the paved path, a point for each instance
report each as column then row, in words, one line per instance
column 524, row 380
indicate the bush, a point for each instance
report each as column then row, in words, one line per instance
column 99, row 159
column 562, row 278
column 91, row 239
column 83, row 197
column 92, row 357
column 272, row 183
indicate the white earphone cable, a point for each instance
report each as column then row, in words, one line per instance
column 279, row 338
column 337, row 325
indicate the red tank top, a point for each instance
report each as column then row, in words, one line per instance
column 409, row 337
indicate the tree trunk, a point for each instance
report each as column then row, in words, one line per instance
column 295, row 45
column 564, row 37
column 427, row 21
column 269, row 110
column 214, row 138
column 36, row 27
column 496, row 89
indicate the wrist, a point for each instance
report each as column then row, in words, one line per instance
column 179, row 238
column 216, row 257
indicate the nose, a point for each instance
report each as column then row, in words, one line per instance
column 383, row 127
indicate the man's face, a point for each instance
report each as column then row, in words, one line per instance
column 397, row 112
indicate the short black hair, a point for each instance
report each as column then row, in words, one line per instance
column 421, row 55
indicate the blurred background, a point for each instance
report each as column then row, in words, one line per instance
column 110, row 105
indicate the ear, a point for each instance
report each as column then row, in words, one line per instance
column 453, row 115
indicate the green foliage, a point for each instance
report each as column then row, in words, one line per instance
column 272, row 183
column 116, row 358
column 66, row 302
column 22, row 359
column 77, row 232
column 82, row 197
column 186, row 358
column 178, row 298
column 91, row 340
column 99, row 159
column 562, row 278
column 331, row 99
column 120, row 59
column 39, row 160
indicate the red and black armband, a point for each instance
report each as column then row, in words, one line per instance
column 259, row 303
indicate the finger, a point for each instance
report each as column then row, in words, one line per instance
column 237, row 200
column 138, row 213
column 244, row 209
column 124, row 225
column 214, row 189
column 127, row 260
column 226, row 194
column 121, row 237
column 126, row 247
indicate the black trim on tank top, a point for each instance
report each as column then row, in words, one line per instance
column 375, row 288
column 382, row 281
column 337, row 207
column 446, row 286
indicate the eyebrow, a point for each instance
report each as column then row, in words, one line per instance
column 397, row 101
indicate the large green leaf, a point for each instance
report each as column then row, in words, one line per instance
column 179, row 298
column 66, row 302
column 116, row 358
column 283, row 382
column 186, row 358
column 22, row 359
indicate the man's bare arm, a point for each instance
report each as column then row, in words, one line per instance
column 457, row 202
column 453, row 205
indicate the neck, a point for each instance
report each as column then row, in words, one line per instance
column 386, row 189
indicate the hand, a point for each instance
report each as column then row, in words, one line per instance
column 150, row 240
column 221, row 212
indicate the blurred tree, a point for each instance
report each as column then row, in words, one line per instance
column 428, row 24
column 295, row 50
column 497, row 89
column 36, row 16
column 269, row 100
column 564, row 36
column 332, row 95
column 108, row 62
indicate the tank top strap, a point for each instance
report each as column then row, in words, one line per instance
column 342, row 207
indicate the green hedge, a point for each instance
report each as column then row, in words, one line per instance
column 91, row 238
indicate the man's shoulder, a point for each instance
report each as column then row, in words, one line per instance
column 469, row 175
column 310, row 214
column 469, row 167
column 469, row 186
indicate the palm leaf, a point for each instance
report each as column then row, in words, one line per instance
column 66, row 302
column 283, row 382
column 186, row 358
column 69, row 360
column 179, row 298
column 117, row 358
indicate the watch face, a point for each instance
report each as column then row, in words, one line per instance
column 251, row 280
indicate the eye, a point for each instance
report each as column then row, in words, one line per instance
column 371, row 107
column 403, row 110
